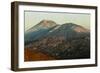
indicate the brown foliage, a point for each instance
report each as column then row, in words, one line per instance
column 34, row 55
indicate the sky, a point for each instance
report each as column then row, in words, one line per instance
column 32, row 18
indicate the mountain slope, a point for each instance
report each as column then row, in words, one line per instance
column 69, row 30
column 39, row 30
column 67, row 41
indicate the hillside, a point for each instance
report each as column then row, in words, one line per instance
column 66, row 41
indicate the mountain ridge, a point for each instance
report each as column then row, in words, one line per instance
column 48, row 27
column 66, row 41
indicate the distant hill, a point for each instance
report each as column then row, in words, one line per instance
column 66, row 41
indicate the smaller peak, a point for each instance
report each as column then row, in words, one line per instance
column 47, row 21
column 72, row 25
column 69, row 24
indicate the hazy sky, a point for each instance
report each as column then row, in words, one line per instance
column 32, row 18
